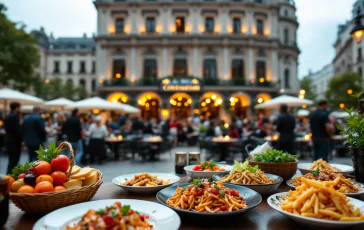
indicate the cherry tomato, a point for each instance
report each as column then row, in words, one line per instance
column 215, row 191
column 222, row 170
column 42, row 167
column 59, row 177
column 234, row 192
column 131, row 211
column 223, row 208
column 189, row 188
column 197, row 168
column 199, row 191
column 60, row 163
column 22, row 175
column 108, row 220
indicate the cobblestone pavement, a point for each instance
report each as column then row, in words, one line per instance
column 112, row 168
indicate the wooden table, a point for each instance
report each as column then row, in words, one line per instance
column 262, row 217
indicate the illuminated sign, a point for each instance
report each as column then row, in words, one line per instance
column 180, row 84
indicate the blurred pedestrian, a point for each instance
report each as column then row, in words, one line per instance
column 34, row 132
column 73, row 130
column 13, row 137
column 285, row 126
column 321, row 129
column 233, row 131
column 97, row 133
column 51, row 131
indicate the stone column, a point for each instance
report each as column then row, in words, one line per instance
column 134, row 26
column 251, row 75
column 226, row 63
column 274, row 67
column 195, row 62
column 165, row 20
column 165, row 61
column 102, row 63
column 132, row 63
column 195, row 12
column 274, row 22
column 225, row 21
column 250, row 21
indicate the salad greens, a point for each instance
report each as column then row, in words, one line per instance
column 273, row 155
column 316, row 172
column 245, row 166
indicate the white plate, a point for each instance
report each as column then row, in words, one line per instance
column 161, row 217
column 275, row 200
column 199, row 174
column 143, row 189
column 345, row 169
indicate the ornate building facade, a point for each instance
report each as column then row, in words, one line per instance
column 180, row 57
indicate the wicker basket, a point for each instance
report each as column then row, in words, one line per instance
column 285, row 170
column 49, row 201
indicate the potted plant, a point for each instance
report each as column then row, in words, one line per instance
column 354, row 133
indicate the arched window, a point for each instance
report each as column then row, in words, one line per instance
column 286, row 36
column 286, row 79
column 82, row 82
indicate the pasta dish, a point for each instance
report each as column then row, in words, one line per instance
column 114, row 217
column 145, row 179
column 320, row 200
column 322, row 165
column 247, row 177
column 207, row 196
column 344, row 184
column 208, row 166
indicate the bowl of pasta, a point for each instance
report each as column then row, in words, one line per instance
column 322, row 165
column 319, row 204
column 251, row 177
column 145, row 182
column 204, row 197
column 125, row 214
column 346, row 185
column 206, row 169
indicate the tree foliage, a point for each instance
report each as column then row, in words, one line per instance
column 306, row 84
column 337, row 92
column 18, row 53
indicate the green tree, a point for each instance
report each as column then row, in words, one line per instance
column 306, row 84
column 81, row 92
column 337, row 92
column 18, row 53
column 69, row 90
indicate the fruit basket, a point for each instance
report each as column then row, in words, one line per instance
column 42, row 202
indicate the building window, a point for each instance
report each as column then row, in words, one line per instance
column 119, row 25
column 56, row 67
column 237, row 68
column 286, row 13
column 209, row 68
column 286, row 79
column 93, row 67
column 180, row 24
column 180, row 67
column 286, row 36
column 359, row 54
column 259, row 1
column 260, row 71
column 82, row 82
column 82, row 67
column 360, row 71
column 260, row 27
column 236, row 25
column 69, row 67
column 118, row 69
column 93, row 84
column 209, row 25
column 150, row 24
column 150, row 69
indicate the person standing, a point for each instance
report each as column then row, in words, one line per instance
column 34, row 132
column 97, row 133
column 73, row 130
column 321, row 129
column 285, row 126
column 13, row 135
column 51, row 131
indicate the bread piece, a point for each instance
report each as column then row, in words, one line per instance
column 73, row 184
column 84, row 172
column 75, row 169
column 91, row 179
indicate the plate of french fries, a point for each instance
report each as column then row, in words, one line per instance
column 317, row 203
column 145, row 182
column 323, row 165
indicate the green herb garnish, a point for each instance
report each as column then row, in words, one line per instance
column 197, row 183
column 277, row 156
column 222, row 193
column 114, row 215
column 184, row 189
column 316, row 172
column 208, row 165
column 125, row 210
column 48, row 154
column 101, row 212
column 217, row 187
column 21, row 168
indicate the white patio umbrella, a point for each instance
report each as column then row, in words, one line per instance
column 130, row 109
column 9, row 95
column 284, row 99
column 94, row 103
column 339, row 114
column 58, row 104
column 303, row 113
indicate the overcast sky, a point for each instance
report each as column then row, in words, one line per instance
column 316, row 35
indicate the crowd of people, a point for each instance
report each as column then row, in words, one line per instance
column 87, row 135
